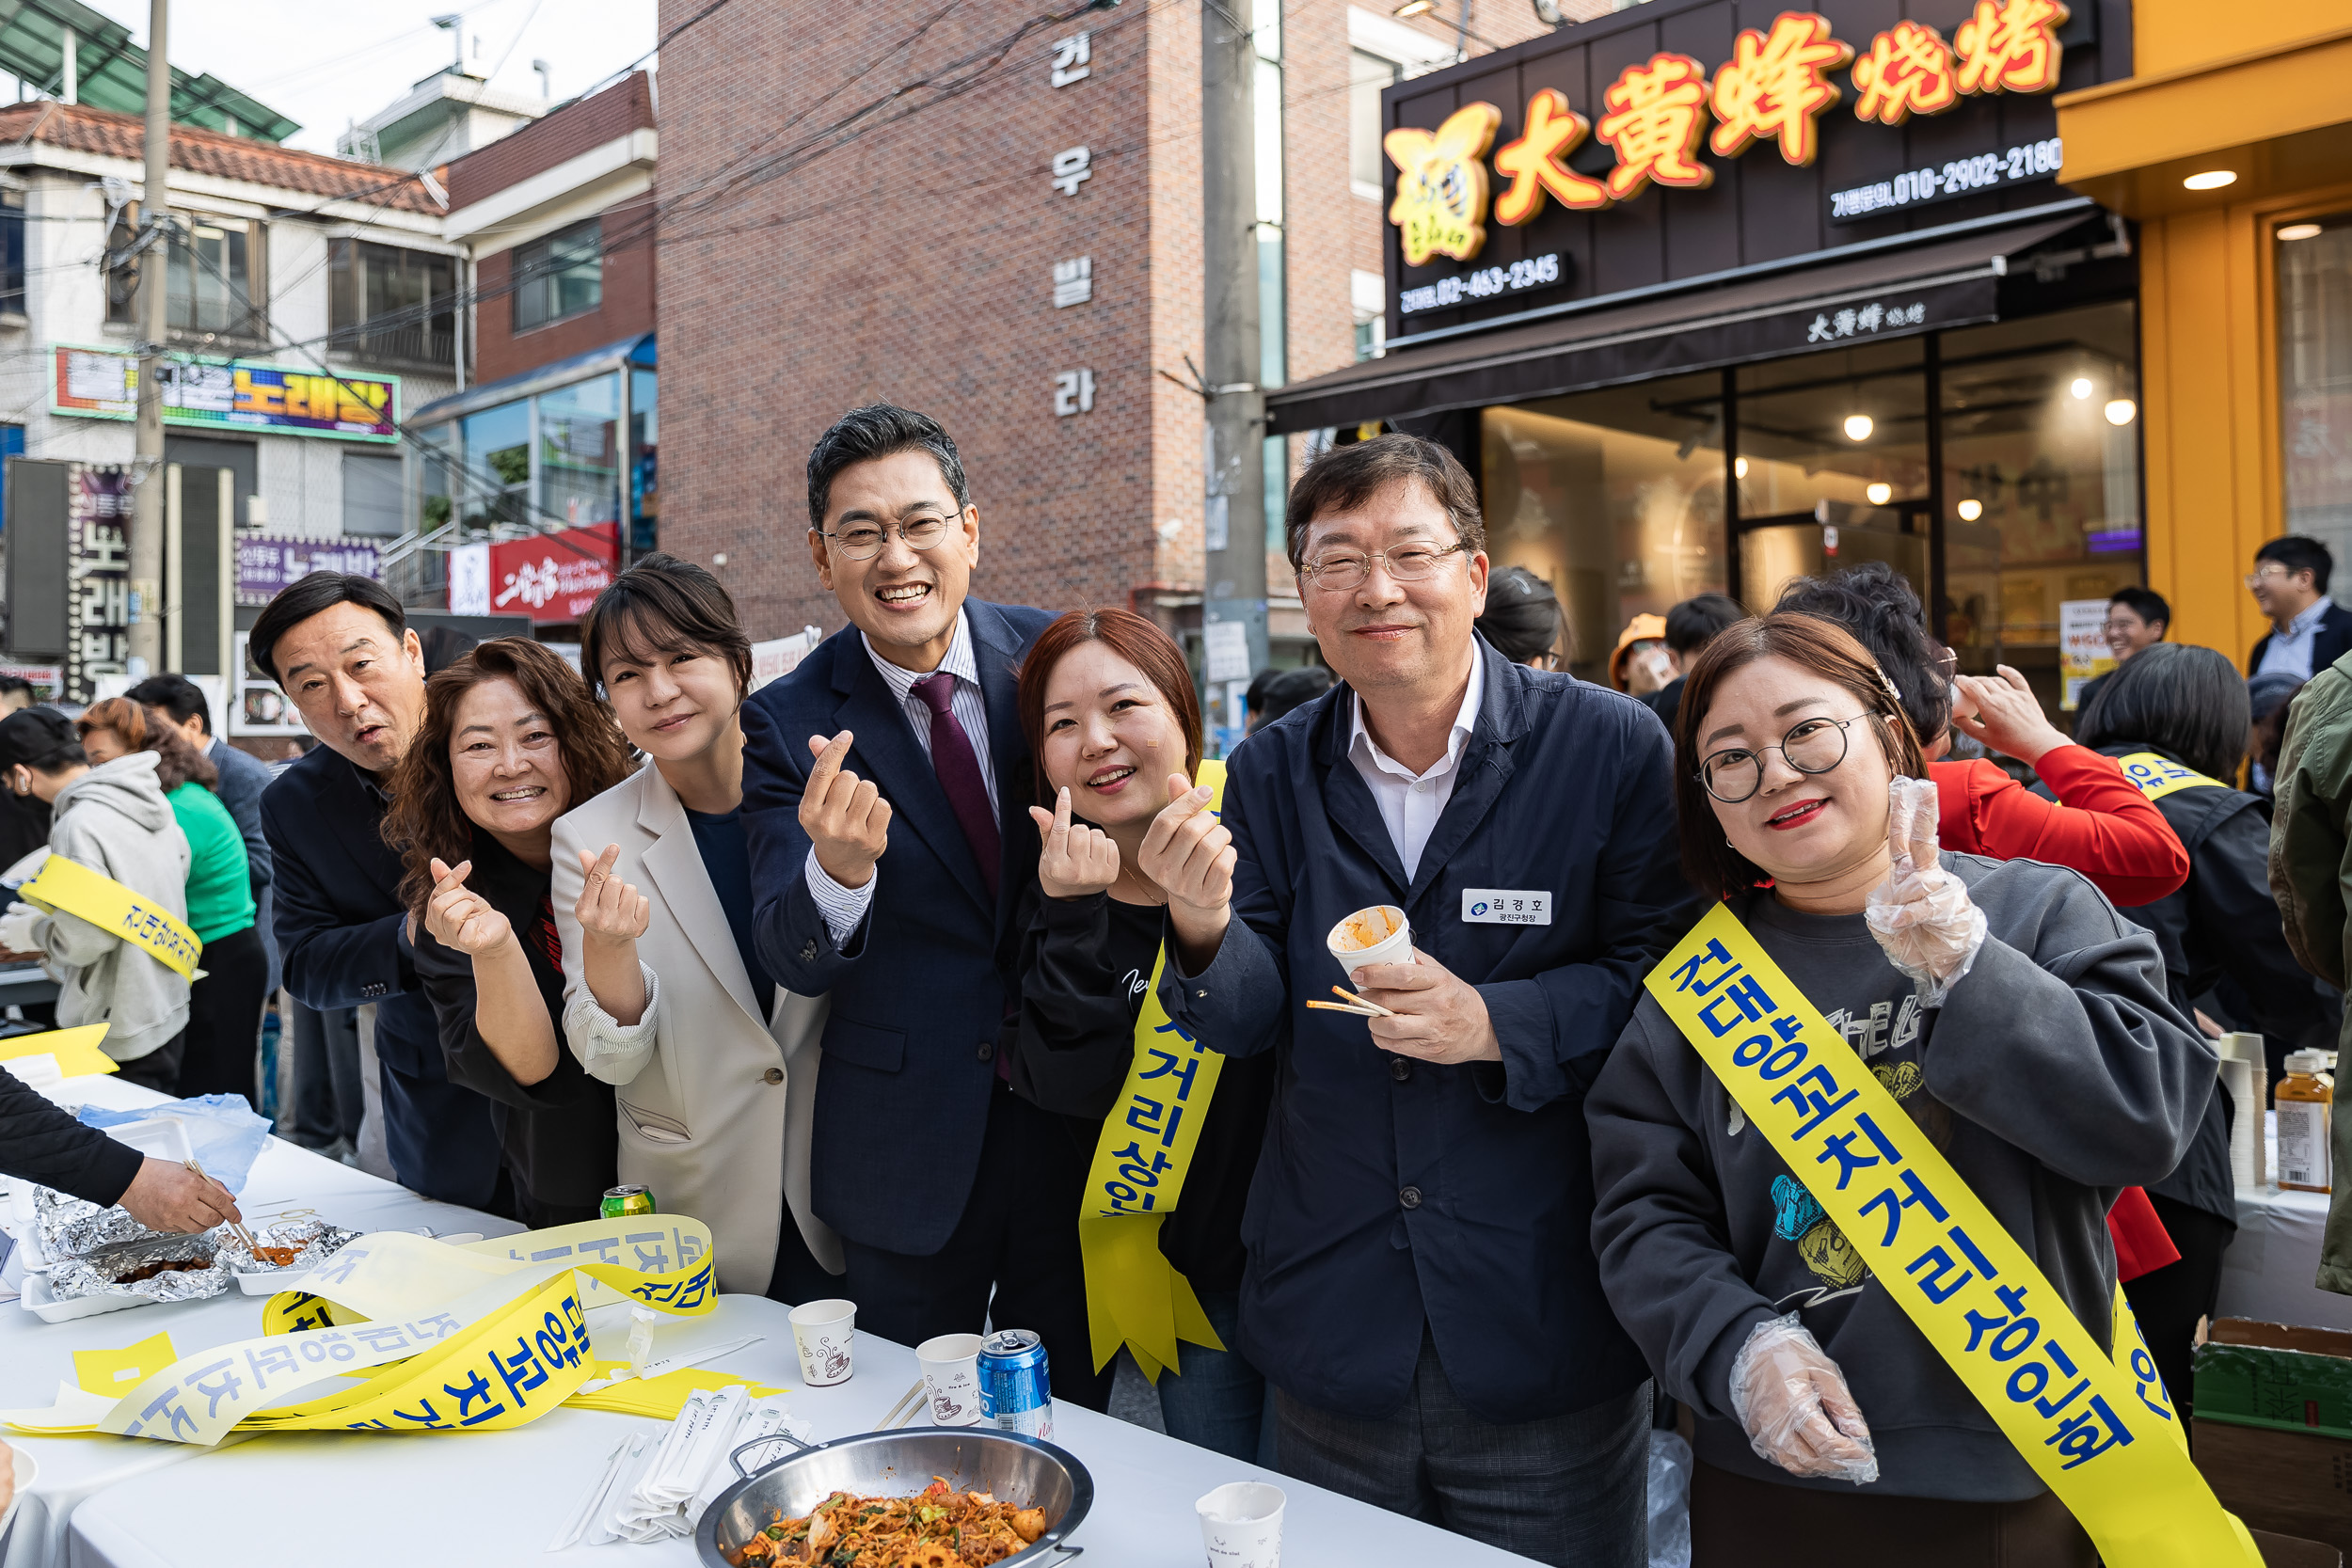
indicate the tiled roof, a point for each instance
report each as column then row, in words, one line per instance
column 82, row 128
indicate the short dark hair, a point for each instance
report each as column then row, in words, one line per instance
column 2301, row 552
column 663, row 605
column 1873, row 602
column 880, row 429
column 1522, row 617
column 2146, row 603
column 310, row 595
column 1347, row 477
column 176, row 695
column 9, row 684
column 2189, row 702
column 42, row 740
column 1292, row 689
column 1693, row 622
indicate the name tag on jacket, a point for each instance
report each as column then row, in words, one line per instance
column 1501, row 905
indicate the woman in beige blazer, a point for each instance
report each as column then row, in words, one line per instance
column 714, row 1066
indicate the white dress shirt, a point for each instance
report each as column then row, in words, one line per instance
column 2289, row 652
column 1410, row 803
column 844, row 907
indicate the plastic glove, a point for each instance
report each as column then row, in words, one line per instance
column 1792, row 1401
column 1922, row 914
column 16, row 929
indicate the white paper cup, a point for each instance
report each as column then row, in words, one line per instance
column 1241, row 1525
column 1378, row 934
column 822, row 1332
column 952, row 1376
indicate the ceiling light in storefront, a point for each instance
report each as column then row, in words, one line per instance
column 2212, row 179
column 2121, row 411
column 1858, row 427
column 1740, row 467
column 1415, row 7
column 2300, row 231
column 1970, row 510
column 2080, row 387
column 1879, row 494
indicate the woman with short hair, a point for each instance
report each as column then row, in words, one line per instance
column 2022, row 1024
column 511, row 737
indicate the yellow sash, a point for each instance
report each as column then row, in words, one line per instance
column 440, row 1338
column 70, row 886
column 2158, row 777
column 2087, row 1422
column 1132, row 1296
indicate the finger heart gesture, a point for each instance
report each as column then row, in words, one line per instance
column 1187, row 851
column 1077, row 858
column 460, row 918
column 610, row 910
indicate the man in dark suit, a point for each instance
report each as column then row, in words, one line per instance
column 1420, row 1289
column 885, row 788
column 2309, row 630
column 339, row 648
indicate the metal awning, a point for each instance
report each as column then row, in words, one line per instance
column 1835, row 299
column 638, row 351
column 110, row 72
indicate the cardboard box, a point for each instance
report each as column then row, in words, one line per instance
column 2273, row 1428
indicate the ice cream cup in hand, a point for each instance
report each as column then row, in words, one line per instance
column 1378, row 934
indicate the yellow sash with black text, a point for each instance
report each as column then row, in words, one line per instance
column 91, row 895
column 2099, row 1430
column 2158, row 777
column 1133, row 1297
column 435, row 1337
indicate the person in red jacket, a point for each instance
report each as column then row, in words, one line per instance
column 2101, row 825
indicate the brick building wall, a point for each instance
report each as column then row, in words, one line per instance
column 625, row 309
column 810, row 262
column 626, row 105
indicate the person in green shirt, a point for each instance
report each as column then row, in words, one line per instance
column 225, row 1004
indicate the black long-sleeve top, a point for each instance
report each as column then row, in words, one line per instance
column 558, row 1133
column 1085, row 964
column 41, row 1142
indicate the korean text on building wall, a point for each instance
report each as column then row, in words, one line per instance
column 552, row 578
column 102, row 384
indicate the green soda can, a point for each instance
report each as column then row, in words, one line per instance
column 619, row 1202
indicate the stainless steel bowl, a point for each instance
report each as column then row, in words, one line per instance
column 1014, row 1470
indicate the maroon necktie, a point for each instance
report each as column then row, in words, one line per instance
column 959, row 775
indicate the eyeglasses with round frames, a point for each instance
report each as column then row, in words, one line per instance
column 865, row 541
column 1814, row 746
column 2272, row 573
column 1341, row 571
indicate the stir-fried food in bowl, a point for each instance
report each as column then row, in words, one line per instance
column 938, row 1527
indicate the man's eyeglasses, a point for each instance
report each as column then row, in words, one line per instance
column 865, row 541
column 2272, row 573
column 1814, row 746
column 1339, row 571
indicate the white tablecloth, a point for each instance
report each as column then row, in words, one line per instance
column 36, row 1356
column 457, row 1499
column 2266, row 1274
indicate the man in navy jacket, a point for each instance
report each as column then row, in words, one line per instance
column 339, row 648
column 899, row 733
column 1422, row 1289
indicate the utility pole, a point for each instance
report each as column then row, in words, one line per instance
column 147, row 469
column 1234, row 517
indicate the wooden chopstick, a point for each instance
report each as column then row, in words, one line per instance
column 238, row 1231
column 910, row 1402
column 1377, row 1010
column 1341, row 1008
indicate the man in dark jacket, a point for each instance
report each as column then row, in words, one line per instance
column 1421, row 1290
column 2309, row 630
column 39, row 1141
column 242, row 778
column 900, row 732
column 339, row 648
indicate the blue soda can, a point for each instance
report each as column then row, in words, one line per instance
column 1015, row 1395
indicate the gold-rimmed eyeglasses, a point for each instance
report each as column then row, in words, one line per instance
column 1339, row 571
column 1814, row 746
column 865, row 541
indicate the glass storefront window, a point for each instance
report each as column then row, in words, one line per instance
column 580, row 455
column 645, row 441
column 496, row 482
column 2315, row 384
column 1616, row 498
column 2041, row 482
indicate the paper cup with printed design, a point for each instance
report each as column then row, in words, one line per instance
column 952, row 1376
column 1378, row 934
column 822, row 1332
column 1241, row 1525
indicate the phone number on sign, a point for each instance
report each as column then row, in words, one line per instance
column 1536, row 272
column 2038, row 160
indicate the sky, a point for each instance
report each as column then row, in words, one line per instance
column 326, row 65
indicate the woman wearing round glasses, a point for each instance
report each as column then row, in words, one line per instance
column 2022, row 1024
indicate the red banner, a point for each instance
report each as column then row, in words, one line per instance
column 551, row 582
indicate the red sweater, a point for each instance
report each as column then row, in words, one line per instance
column 2102, row 826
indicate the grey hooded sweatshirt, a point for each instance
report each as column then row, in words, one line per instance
column 2053, row 1074
column 114, row 820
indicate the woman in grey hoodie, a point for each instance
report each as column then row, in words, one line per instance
column 2021, row 1023
column 114, row 820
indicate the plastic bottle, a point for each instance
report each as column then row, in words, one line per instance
column 2306, row 1103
